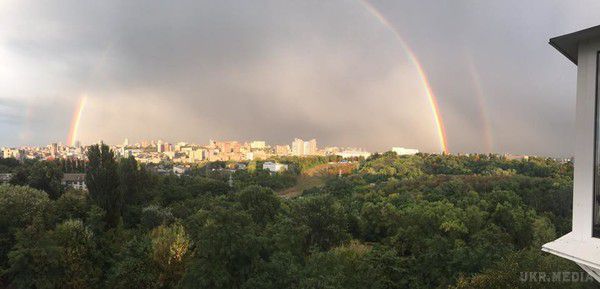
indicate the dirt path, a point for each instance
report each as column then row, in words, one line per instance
column 304, row 182
column 316, row 177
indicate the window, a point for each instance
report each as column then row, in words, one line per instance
column 596, row 222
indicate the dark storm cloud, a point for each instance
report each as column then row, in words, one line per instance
column 274, row 70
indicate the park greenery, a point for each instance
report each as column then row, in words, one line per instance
column 423, row 221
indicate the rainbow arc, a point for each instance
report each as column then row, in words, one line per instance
column 480, row 100
column 73, row 131
column 432, row 100
column 72, row 137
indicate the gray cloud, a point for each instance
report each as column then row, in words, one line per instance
column 274, row 70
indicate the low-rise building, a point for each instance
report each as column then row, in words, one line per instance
column 282, row 150
column 256, row 155
column 353, row 154
column 12, row 153
column 274, row 167
column 404, row 151
column 75, row 181
column 258, row 145
column 516, row 157
column 5, row 178
column 180, row 170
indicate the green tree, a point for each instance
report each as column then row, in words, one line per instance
column 355, row 266
column 20, row 207
column 260, row 202
column 42, row 175
column 154, row 216
column 61, row 258
column 130, row 180
column 226, row 249
column 102, row 180
column 135, row 266
column 73, row 204
column 170, row 247
column 134, row 184
column 47, row 176
column 511, row 272
column 78, row 257
column 8, row 165
column 20, row 176
column 325, row 219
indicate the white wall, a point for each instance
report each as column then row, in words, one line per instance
column 583, row 191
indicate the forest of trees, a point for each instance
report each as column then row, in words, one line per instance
column 423, row 221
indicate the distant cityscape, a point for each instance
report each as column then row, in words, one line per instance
column 158, row 151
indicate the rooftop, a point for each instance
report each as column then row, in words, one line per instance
column 568, row 44
column 73, row 177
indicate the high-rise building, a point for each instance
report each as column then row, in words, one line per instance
column 298, row 147
column 304, row 148
column 53, row 149
column 197, row 155
column 159, row 146
column 179, row 146
column 228, row 147
column 126, row 142
column 167, row 147
column 310, row 147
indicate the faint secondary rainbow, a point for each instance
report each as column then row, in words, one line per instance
column 480, row 99
column 72, row 138
column 441, row 130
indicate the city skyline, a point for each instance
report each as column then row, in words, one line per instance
column 152, row 142
column 160, row 151
column 183, row 152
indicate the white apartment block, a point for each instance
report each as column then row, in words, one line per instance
column 274, row 167
column 404, row 151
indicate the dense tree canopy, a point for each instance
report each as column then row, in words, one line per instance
column 45, row 176
column 423, row 221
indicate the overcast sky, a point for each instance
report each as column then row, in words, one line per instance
column 275, row 70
